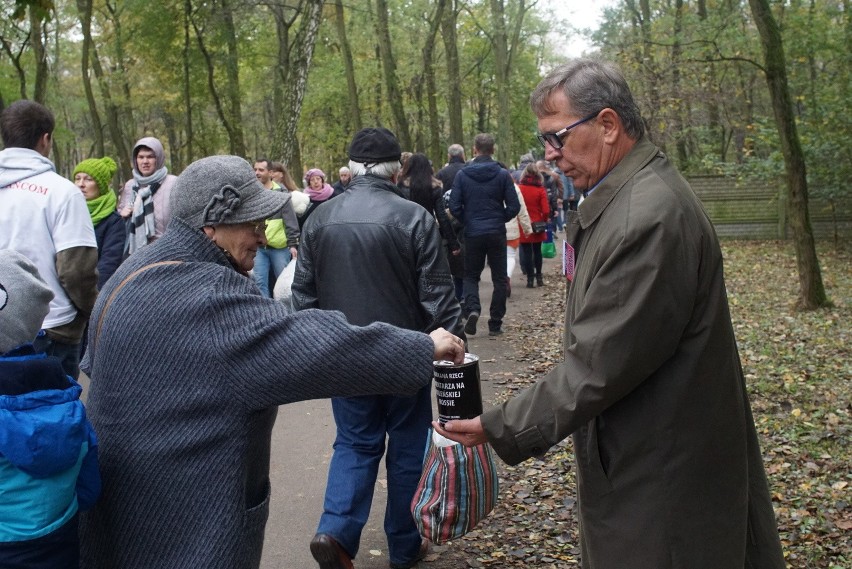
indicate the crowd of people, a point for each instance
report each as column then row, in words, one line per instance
column 164, row 289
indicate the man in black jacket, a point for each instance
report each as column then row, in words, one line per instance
column 484, row 199
column 377, row 257
column 455, row 162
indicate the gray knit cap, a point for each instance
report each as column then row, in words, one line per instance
column 222, row 190
column 24, row 300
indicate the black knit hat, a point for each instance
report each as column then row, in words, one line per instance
column 374, row 145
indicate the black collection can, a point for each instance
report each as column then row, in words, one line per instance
column 457, row 389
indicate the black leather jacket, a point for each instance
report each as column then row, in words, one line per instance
column 376, row 256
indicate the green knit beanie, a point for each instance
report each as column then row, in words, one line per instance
column 100, row 169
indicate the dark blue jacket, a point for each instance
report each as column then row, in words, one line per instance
column 110, row 234
column 484, row 198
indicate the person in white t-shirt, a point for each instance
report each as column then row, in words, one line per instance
column 44, row 217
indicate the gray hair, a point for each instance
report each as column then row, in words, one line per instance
column 386, row 170
column 590, row 86
column 455, row 150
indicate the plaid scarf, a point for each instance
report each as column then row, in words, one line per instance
column 142, row 218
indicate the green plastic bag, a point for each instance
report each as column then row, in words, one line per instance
column 548, row 249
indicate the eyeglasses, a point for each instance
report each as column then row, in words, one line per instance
column 554, row 139
column 259, row 227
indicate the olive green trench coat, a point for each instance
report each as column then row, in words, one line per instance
column 668, row 465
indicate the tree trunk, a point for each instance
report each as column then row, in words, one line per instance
column 711, row 89
column 225, row 114
column 40, row 54
column 232, row 71
column 118, row 74
column 187, row 94
column 812, row 292
column 112, row 118
column 500, row 42
column 284, row 137
column 349, row 67
column 679, row 110
column 391, row 80
column 283, row 23
column 85, row 9
column 16, row 63
column 454, row 101
column 434, row 148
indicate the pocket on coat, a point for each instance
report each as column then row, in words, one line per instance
column 594, row 475
column 254, row 523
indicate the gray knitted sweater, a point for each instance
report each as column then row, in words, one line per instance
column 186, row 375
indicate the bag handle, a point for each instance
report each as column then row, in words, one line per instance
column 119, row 287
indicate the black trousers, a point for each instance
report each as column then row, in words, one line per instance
column 531, row 259
column 59, row 549
column 478, row 250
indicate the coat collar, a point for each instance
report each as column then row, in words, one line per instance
column 592, row 207
column 375, row 183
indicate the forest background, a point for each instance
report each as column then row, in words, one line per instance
column 754, row 89
column 293, row 80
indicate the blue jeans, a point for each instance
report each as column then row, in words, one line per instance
column 477, row 250
column 68, row 354
column 362, row 423
column 269, row 263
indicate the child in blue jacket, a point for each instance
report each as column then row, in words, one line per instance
column 48, row 450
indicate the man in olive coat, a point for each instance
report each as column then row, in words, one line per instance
column 669, row 470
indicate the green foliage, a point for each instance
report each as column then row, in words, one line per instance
column 729, row 125
column 710, row 100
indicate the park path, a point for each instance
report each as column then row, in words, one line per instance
column 304, row 433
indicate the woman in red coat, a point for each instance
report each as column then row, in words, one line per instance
column 535, row 198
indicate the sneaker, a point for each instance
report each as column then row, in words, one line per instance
column 329, row 554
column 497, row 332
column 421, row 553
column 470, row 325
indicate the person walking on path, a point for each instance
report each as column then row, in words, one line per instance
column 144, row 200
column 317, row 190
column 424, row 189
column 44, row 217
column 515, row 227
column 185, row 417
column 376, row 257
column 455, row 162
column 669, row 469
column 483, row 198
column 93, row 177
column 537, row 203
column 282, row 234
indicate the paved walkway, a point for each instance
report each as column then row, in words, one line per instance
column 304, row 433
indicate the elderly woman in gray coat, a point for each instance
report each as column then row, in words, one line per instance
column 184, row 389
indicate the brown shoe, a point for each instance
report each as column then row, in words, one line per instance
column 329, row 554
column 421, row 553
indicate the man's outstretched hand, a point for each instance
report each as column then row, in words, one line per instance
column 468, row 432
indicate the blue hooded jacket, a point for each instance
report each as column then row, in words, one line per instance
column 48, row 449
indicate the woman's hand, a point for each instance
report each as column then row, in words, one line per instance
column 447, row 346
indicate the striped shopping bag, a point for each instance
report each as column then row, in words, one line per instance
column 457, row 489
